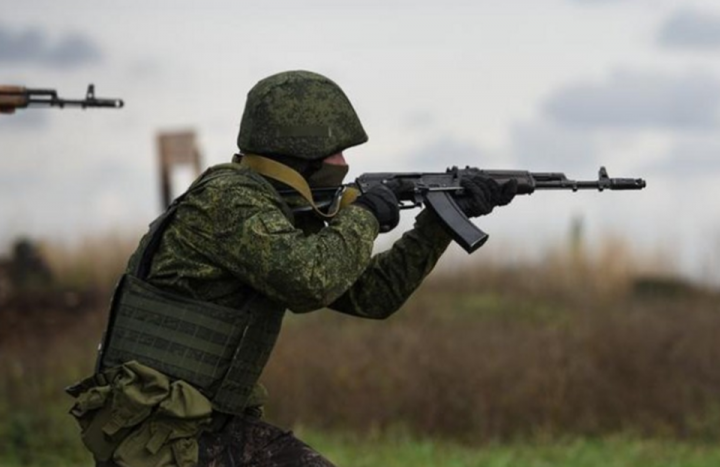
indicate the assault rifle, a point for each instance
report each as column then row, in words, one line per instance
column 438, row 190
column 18, row 97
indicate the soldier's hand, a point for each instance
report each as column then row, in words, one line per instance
column 403, row 188
column 382, row 202
column 482, row 194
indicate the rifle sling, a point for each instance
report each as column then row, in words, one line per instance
column 284, row 174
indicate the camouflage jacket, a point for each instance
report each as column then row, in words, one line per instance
column 236, row 235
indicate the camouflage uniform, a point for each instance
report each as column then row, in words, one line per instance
column 237, row 235
column 247, row 440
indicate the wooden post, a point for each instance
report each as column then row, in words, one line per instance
column 175, row 148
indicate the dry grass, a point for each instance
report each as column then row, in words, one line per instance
column 483, row 367
column 93, row 263
column 558, row 348
column 52, row 349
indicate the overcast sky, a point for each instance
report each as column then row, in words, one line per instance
column 546, row 85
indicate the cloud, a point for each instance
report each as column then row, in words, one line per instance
column 537, row 146
column 689, row 160
column 420, row 120
column 144, row 68
column 635, row 100
column 691, row 29
column 24, row 120
column 598, row 2
column 446, row 151
column 34, row 46
column 44, row 200
column 549, row 147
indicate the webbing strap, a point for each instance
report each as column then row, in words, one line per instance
column 284, row 174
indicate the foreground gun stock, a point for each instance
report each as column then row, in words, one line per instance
column 18, row 97
column 438, row 192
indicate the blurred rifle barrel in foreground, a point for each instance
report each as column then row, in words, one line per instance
column 18, row 97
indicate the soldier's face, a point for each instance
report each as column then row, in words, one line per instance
column 331, row 172
column 336, row 159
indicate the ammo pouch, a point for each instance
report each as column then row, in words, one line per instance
column 136, row 417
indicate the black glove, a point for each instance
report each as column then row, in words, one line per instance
column 403, row 188
column 382, row 202
column 483, row 193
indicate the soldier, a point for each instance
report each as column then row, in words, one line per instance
column 196, row 315
column 28, row 269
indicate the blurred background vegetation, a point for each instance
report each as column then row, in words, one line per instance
column 577, row 359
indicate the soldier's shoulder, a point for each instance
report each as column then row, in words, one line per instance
column 234, row 180
column 231, row 188
column 233, row 175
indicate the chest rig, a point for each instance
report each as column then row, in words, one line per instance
column 219, row 350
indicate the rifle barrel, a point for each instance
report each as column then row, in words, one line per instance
column 83, row 103
column 600, row 185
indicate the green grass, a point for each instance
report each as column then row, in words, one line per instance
column 42, row 436
column 403, row 451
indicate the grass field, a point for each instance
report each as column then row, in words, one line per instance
column 400, row 450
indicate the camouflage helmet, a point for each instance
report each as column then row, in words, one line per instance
column 298, row 114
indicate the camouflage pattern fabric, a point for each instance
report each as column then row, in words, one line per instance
column 247, row 441
column 300, row 114
column 393, row 275
column 236, row 234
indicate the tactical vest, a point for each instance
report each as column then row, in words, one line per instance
column 219, row 350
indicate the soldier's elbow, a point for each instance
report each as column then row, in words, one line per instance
column 310, row 298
